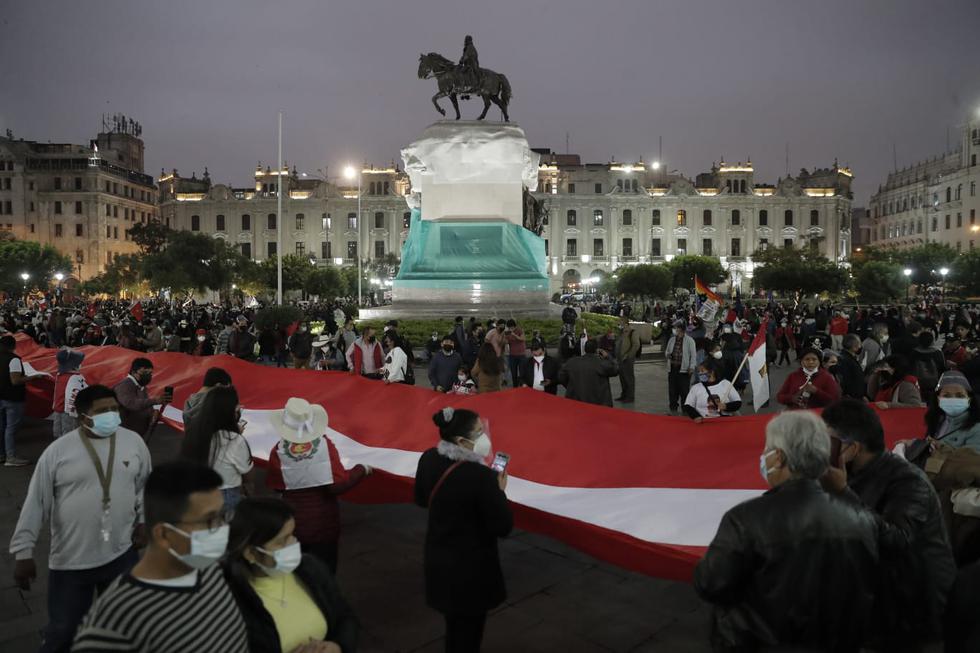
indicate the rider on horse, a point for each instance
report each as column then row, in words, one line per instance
column 469, row 66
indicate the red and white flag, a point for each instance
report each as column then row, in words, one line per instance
column 650, row 502
column 758, row 369
column 137, row 311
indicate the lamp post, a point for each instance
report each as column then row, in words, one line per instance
column 25, row 276
column 943, row 272
column 350, row 172
column 908, row 282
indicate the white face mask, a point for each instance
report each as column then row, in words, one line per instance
column 716, row 354
column 201, row 338
column 482, row 446
column 810, row 371
column 206, row 547
column 539, row 358
column 287, row 559
column 461, row 377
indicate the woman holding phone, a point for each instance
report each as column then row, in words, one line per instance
column 468, row 512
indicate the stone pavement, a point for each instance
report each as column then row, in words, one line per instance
column 559, row 599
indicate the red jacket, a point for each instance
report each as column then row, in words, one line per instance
column 827, row 390
column 316, row 510
column 357, row 357
column 838, row 326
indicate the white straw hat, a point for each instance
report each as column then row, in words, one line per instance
column 300, row 421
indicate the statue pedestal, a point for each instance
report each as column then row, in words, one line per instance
column 466, row 244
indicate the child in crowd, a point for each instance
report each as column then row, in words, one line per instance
column 67, row 385
column 464, row 384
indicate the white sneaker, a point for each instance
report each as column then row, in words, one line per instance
column 14, row 461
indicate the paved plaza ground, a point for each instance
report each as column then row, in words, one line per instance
column 559, row 599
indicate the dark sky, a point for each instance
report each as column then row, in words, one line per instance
column 728, row 78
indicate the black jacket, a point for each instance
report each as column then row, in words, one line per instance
column 586, row 378
column 852, row 383
column 917, row 567
column 794, row 567
column 469, row 513
column 342, row 625
column 550, row 371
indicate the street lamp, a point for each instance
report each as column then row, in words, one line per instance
column 943, row 272
column 25, row 276
column 59, row 276
column 350, row 172
column 908, row 282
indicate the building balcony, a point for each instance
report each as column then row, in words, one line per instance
column 628, row 258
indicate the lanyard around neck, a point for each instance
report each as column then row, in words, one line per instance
column 105, row 475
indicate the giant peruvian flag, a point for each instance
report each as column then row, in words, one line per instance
column 758, row 369
column 645, row 492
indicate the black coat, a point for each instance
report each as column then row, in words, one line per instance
column 550, row 368
column 851, row 376
column 795, row 566
column 917, row 566
column 342, row 625
column 586, row 378
column 462, row 565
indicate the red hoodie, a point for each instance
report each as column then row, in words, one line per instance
column 827, row 391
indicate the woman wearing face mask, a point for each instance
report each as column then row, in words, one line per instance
column 713, row 395
column 893, row 385
column 488, row 372
column 214, row 438
column 468, row 511
column 289, row 601
column 953, row 416
column 810, row 386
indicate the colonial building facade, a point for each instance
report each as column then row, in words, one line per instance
column 932, row 201
column 603, row 216
column 600, row 216
column 80, row 199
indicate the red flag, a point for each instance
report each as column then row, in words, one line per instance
column 91, row 311
column 291, row 329
column 702, row 289
column 136, row 310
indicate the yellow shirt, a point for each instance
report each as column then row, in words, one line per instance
column 297, row 617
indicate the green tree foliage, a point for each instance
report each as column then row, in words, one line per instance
column 792, row 270
column 966, row 273
column 879, row 281
column 385, row 267
column 707, row 269
column 189, row 262
column 151, row 237
column 41, row 262
column 645, row 281
column 123, row 274
column 325, row 283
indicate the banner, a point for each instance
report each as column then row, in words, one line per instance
column 758, row 368
column 645, row 492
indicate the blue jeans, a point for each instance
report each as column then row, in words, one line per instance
column 11, row 413
column 514, row 363
column 70, row 595
column 232, row 496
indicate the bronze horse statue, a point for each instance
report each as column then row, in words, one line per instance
column 492, row 87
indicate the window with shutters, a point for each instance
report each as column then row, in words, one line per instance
column 571, row 247
column 300, row 248
column 300, row 222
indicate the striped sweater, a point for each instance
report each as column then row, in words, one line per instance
column 135, row 616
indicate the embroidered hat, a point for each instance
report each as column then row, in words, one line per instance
column 300, row 421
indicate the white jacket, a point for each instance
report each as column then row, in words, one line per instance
column 395, row 366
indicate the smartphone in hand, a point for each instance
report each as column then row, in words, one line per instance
column 500, row 461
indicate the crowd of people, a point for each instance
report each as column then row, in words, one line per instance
column 854, row 546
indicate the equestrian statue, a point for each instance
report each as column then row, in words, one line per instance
column 465, row 79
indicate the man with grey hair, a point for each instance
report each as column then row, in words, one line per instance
column 849, row 372
column 780, row 564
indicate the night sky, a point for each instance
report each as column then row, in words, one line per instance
column 723, row 78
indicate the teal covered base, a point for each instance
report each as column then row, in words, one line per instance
column 471, row 262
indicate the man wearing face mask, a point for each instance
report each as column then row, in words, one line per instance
column 135, row 403
column 759, row 571
column 681, row 353
column 301, row 347
column 917, row 567
column 88, row 486
column 364, row 355
column 444, row 365
column 541, row 372
column 849, row 372
column 176, row 597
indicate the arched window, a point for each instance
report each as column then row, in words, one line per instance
column 656, row 218
column 627, row 217
column 270, row 221
column 681, row 218
column 571, row 218
column 949, row 194
column 763, row 218
column 814, row 218
column 736, row 217
column 788, row 218
column 706, row 218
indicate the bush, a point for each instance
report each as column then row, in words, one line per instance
column 277, row 316
column 419, row 332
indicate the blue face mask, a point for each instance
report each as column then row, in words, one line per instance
column 104, row 424
column 954, row 406
column 703, row 377
column 762, row 466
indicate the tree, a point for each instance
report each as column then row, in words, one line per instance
column 123, row 274
column 385, row 267
column 707, row 269
column 966, row 273
column 926, row 260
column 151, row 237
column 645, row 281
column 189, row 262
column 325, row 283
column 797, row 270
column 40, row 262
column 295, row 270
column 274, row 317
column 878, row 281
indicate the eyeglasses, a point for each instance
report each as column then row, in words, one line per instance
column 214, row 522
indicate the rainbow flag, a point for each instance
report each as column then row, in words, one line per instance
column 702, row 289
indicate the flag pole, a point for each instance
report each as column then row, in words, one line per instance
column 279, row 219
